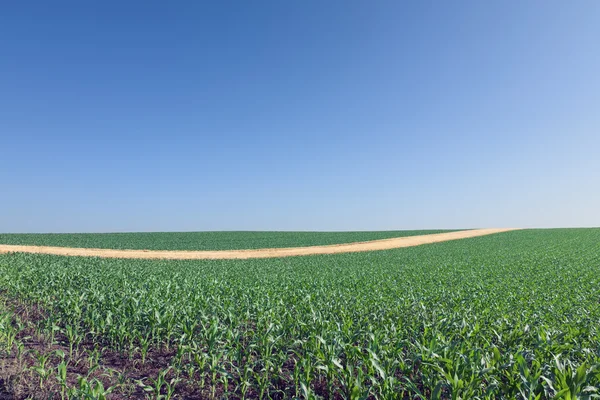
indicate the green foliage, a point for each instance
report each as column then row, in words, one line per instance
column 200, row 240
column 508, row 316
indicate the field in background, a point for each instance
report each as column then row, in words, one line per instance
column 510, row 315
column 202, row 240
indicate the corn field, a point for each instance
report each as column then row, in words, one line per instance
column 514, row 315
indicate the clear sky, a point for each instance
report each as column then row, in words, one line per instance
column 298, row 115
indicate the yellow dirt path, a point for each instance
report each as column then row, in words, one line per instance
column 383, row 244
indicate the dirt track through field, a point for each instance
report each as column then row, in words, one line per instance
column 383, row 244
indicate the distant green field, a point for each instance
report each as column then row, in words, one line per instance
column 513, row 315
column 201, row 240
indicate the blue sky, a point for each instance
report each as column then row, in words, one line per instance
column 307, row 115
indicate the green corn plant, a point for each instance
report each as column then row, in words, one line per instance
column 62, row 378
column 42, row 368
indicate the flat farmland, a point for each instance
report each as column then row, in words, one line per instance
column 234, row 240
column 341, row 248
column 512, row 315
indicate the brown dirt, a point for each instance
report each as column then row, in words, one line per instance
column 383, row 244
column 118, row 370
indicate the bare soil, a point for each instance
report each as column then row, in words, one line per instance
column 383, row 244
